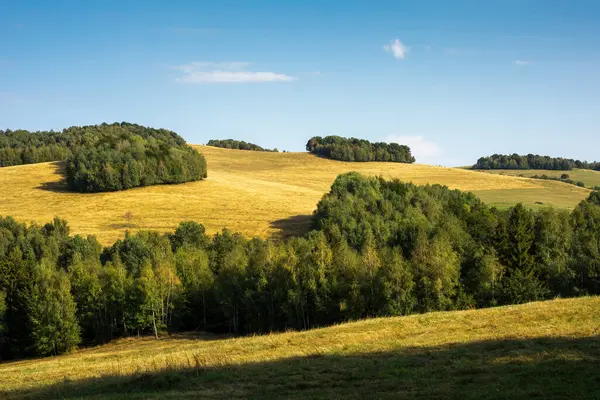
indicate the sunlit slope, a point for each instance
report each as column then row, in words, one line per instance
column 255, row 193
column 590, row 177
column 541, row 350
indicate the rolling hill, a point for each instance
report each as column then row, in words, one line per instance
column 590, row 177
column 255, row 193
column 547, row 350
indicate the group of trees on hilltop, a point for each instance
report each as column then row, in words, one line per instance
column 352, row 149
column 108, row 157
column 122, row 156
column 379, row 248
column 532, row 161
column 237, row 145
column 24, row 147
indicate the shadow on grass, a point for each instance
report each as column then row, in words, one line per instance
column 59, row 186
column 545, row 368
column 297, row 225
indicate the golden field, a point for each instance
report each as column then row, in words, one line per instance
column 255, row 193
column 538, row 350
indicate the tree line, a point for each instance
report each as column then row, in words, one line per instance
column 532, row 161
column 378, row 248
column 237, row 145
column 108, row 157
column 563, row 178
column 360, row 150
column 24, row 147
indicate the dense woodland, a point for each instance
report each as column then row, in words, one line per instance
column 237, row 145
column 532, row 161
column 360, row 150
column 122, row 156
column 24, row 147
column 108, row 157
column 378, row 248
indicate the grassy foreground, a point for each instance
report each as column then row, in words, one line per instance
column 547, row 350
column 255, row 193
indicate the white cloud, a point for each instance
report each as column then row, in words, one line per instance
column 230, row 72
column 397, row 48
column 522, row 63
column 421, row 148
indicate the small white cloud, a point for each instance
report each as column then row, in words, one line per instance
column 522, row 63
column 421, row 148
column 230, row 72
column 397, row 48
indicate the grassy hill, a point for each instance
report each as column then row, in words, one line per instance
column 590, row 177
column 538, row 350
column 255, row 193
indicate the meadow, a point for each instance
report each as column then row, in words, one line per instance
column 544, row 350
column 255, row 193
column 590, row 177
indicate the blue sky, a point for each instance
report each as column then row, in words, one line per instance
column 454, row 79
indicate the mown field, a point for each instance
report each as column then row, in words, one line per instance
column 589, row 177
column 546, row 350
column 255, row 193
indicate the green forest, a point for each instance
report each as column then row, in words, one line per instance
column 377, row 248
column 24, row 147
column 107, row 157
column 532, row 161
column 358, row 150
column 237, row 145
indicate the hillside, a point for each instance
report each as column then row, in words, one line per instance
column 544, row 350
column 590, row 177
column 255, row 193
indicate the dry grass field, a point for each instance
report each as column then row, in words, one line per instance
column 255, row 193
column 540, row 350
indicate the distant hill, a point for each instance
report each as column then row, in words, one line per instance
column 358, row 150
column 589, row 178
column 255, row 193
column 237, row 145
column 543, row 350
